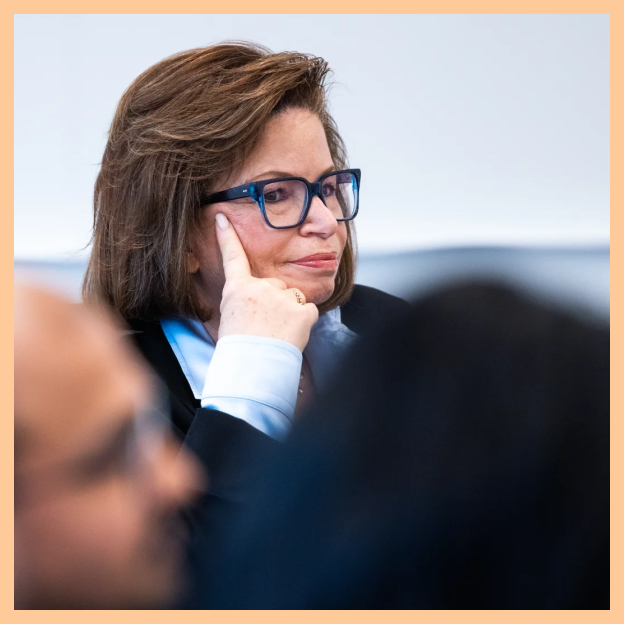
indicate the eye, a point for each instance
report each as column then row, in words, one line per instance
column 329, row 189
column 111, row 457
column 275, row 194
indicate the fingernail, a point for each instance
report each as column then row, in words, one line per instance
column 222, row 221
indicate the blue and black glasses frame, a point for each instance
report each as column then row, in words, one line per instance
column 255, row 190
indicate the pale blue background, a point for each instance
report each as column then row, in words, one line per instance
column 484, row 129
column 472, row 132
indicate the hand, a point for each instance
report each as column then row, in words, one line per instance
column 260, row 307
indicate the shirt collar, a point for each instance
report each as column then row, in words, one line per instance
column 193, row 347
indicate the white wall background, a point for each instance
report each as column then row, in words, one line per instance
column 469, row 130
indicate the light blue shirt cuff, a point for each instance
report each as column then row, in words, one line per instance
column 255, row 379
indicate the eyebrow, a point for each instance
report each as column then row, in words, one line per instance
column 267, row 175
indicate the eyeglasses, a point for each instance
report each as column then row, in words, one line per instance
column 285, row 202
column 130, row 450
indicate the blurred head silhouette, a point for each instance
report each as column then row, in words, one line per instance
column 98, row 481
column 460, row 461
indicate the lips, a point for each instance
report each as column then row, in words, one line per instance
column 319, row 261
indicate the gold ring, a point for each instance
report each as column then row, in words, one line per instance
column 299, row 295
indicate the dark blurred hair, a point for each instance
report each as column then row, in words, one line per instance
column 181, row 126
column 460, row 461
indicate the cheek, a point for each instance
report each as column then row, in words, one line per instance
column 265, row 248
column 341, row 234
column 86, row 540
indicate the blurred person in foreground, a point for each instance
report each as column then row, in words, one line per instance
column 461, row 461
column 99, row 481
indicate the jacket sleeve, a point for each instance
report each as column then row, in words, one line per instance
column 230, row 451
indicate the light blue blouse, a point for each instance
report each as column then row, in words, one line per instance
column 252, row 377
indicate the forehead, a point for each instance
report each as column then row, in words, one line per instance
column 293, row 142
column 84, row 384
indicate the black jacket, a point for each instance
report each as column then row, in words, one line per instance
column 222, row 442
column 460, row 461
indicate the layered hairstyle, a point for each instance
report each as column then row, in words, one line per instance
column 184, row 124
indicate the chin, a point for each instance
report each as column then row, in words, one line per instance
column 317, row 293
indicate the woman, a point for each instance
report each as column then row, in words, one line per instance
column 222, row 234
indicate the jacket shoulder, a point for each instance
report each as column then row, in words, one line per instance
column 151, row 341
column 368, row 307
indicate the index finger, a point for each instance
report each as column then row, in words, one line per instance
column 235, row 263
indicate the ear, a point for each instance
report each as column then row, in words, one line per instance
column 192, row 262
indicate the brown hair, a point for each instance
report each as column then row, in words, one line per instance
column 183, row 124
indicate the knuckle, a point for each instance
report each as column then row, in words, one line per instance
column 229, row 288
column 262, row 288
column 232, row 288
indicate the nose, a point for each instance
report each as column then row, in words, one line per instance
column 178, row 477
column 320, row 221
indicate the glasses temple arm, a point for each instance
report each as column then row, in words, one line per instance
column 238, row 192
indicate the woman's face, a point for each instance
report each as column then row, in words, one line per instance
column 293, row 144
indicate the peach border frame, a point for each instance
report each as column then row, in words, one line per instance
column 320, row 6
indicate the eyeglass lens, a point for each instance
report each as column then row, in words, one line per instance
column 284, row 201
column 148, row 437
